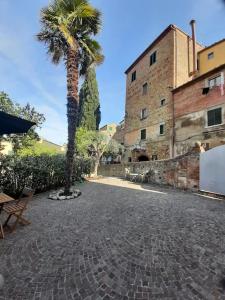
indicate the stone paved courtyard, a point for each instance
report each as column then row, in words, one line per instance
column 118, row 240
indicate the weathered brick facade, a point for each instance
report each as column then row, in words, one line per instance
column 190, row 110
column 173, row 67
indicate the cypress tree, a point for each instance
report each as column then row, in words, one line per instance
column 89, row 110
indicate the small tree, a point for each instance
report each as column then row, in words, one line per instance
column 89, row 109
column 113, row 149
column 95, row 144
column 27, row 112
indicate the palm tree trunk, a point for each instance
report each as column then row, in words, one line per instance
column 72, row 114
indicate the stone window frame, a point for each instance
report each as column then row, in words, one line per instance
column 143, row 139
column 164, row 126
column 144, row 113
column 222, row 116
column 155, row 157
column 145, row 89
column 161, row 100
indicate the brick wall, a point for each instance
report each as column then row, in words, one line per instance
column 190, row 108
column 180, row 172
column 190, row 99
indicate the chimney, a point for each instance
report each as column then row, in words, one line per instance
column 192, row 23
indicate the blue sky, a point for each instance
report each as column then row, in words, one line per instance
column 129, row 26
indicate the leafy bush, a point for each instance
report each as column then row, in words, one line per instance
column 43, row 172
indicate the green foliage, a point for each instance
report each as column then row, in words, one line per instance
column 68, row 25
column 95, row 144
column 27, row 112
column 42, row 172
column 37, row 148
column 83, row 140
column 89, row 110
column 91, row 143
column 113, row 149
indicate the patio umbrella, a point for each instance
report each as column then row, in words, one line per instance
column 11, row 124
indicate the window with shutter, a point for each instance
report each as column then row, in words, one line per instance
column 214, row 116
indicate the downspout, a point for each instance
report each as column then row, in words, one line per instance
column 172, row 96
column 192, row 23
column 173, row 120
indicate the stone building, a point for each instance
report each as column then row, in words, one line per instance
column 119, row 134
column 109, row 129
column 166, row 64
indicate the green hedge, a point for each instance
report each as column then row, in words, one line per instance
column 42, row 172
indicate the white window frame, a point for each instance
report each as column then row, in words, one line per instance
column 222, row 116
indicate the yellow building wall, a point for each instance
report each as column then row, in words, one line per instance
column 7, row 148
column 206, row 64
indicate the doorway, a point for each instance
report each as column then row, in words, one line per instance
column 143, row 158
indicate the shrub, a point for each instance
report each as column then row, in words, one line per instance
column 43, row 172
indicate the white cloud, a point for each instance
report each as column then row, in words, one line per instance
column 14, row 50
column 20, row 51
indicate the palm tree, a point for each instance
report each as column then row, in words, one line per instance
column 68, row 27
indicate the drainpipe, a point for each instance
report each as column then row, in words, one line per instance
column 173, row 128
column 192, row 23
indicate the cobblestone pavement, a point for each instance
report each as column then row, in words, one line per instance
column 117, row 241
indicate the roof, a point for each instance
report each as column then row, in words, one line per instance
column 158, row 39
column 203, row 76
column 51, row 143
column 210, row 46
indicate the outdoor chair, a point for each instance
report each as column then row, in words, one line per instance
column 131, row 176
column 17, row 208
column 127, row 173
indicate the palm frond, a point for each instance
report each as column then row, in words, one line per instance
column 70, row 24
column 91, row 55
